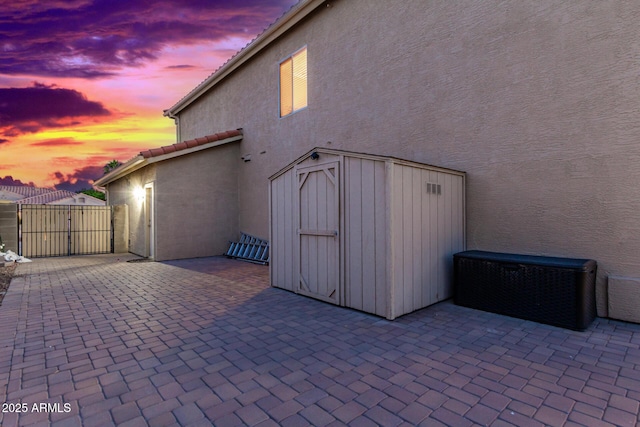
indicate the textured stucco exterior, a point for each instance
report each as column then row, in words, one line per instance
column 624, row 298
column 195, row 207
column 197, row 203
column 120, row 220
column 121, row 192
column 536, row 101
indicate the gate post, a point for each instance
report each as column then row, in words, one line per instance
column 69, row 230
column 120, row 229
column 9, row 226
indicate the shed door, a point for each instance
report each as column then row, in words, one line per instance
column 318, row 223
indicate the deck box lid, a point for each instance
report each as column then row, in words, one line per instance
column 547, row 261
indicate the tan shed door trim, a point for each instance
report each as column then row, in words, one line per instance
column 317, row 226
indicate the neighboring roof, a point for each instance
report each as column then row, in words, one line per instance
column 45, row 198
column 22, row 191
column 79, row 199
column 23, row 195
column 166, row 152
column 297, row 12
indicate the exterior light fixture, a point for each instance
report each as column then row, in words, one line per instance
column 315, row 155
column 139, row 194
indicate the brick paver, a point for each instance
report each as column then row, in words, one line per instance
column 96, row 340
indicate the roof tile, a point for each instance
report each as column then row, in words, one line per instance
column 25, row 190
column 169, row 149
column 37, row 195
column 153, row 152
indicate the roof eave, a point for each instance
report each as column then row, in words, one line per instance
column 128, row 167
column 179, row 153
column 140, row 161
column 391, row 159
column 282, row 25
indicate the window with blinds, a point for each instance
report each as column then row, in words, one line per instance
column 293, row 83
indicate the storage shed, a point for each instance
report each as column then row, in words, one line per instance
column 368, row 232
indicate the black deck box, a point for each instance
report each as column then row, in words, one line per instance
column 555, row 291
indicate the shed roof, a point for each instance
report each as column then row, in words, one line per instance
column 364, row 156
column 166, row 152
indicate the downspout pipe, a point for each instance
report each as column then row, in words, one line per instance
column 176, row 120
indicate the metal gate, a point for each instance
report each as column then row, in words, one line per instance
column 62, row 230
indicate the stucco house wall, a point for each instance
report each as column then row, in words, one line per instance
column 195, row 204
column 535, row 101
column 121, row 192
column 199, row 200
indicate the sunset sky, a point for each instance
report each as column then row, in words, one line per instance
column 83, row 82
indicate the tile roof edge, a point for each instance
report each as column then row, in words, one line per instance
column 157, row 154
column 191, row 143
column 287, row 20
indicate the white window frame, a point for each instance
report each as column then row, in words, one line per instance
column 282, row 61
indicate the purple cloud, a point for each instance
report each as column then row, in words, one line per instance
column 31, row 109
column 180, row 67
column 96, row 38
column 80, row 179
column 8, row 180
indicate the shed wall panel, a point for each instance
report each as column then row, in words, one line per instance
column 364, row 234
column 397, row 242
column 408, row 236
column 420, row 241
column 443, row 242
column 289, row 233
column 380, row 233
column 433, row 274
column 428, row 228
column 368, row 231
column 353, row 232
column 282, row 231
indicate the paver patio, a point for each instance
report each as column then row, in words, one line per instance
column 208, row 342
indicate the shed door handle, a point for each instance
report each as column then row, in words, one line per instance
column 307, row 232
